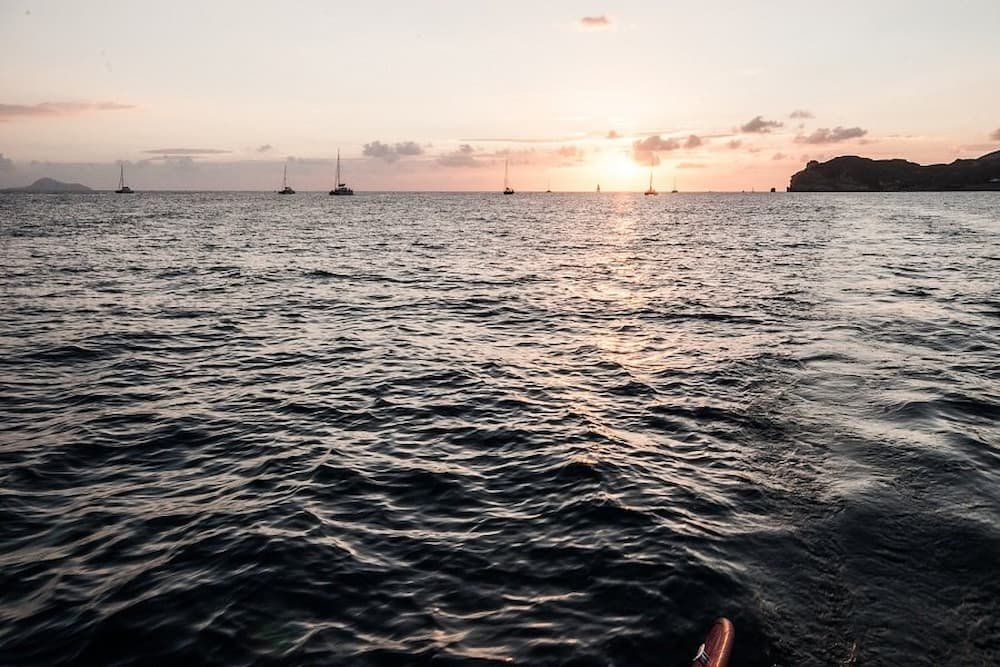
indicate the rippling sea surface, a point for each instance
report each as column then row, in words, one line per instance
column 404, row 429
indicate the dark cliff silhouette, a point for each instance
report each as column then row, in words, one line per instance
column 50, row 186
column 859, row 174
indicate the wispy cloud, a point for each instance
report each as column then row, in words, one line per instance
column 690, row 165
column 5, row 163
column 391, row 152
column 522, row 140
column 265, row 148
column 612, row 134
column 693, row 141
column 595, row 22
column 757, row 125
column 181, row 162
column 801, row 114
column 186, row 151
column 827, row 136
column 734, row 144
column 995, row 135
column 778, row 156
column 55, row 109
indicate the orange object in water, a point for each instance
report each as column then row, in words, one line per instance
column 718, row 645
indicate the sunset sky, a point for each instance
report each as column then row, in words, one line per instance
column 435, row 95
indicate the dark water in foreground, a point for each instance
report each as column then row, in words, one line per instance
column 469, row 429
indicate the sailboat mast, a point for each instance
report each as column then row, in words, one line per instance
column 506, row 167
column 284, row 178
column 338, row 168
column 121, row 178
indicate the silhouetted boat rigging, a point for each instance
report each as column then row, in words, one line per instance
column 507, row 190
column 674, row 191
column 122, row 188
column 340, row 189
column 651, row 191
column 285, row 190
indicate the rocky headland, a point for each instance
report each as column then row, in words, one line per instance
column 50, row 186
column 851, row 173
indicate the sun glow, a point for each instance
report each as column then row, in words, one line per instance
column 615, row 170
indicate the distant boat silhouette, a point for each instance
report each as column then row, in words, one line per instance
column 285, row 190
column 650, row 191
column 341, row 189
column 548, row 186
column 507, row 190
column 598, row 187
column 674, row 191
column 122, row 188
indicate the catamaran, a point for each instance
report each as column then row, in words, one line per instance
column 507, row 190
column 285, row 190
column 340, row 189
column 122, row 188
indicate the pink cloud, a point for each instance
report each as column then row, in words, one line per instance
column 595, row 22
column 54, row 109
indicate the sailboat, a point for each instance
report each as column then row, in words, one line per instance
column 598, row 187
column 285, row 190
column 340, row 189
column 122, row 188
column 548, row 187
column 674, row 191
column 650, row 191
column 507, row 190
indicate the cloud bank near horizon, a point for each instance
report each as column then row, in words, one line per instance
column 391, row 152
column 187, row 151
column 463, row 157
column 825, row 135
column 644, row 151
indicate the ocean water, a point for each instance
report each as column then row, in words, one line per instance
column 464, row 429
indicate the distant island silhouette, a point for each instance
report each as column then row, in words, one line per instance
column 851, row 173
column 50, row 186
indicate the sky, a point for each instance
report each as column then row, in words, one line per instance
column 437, row 95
